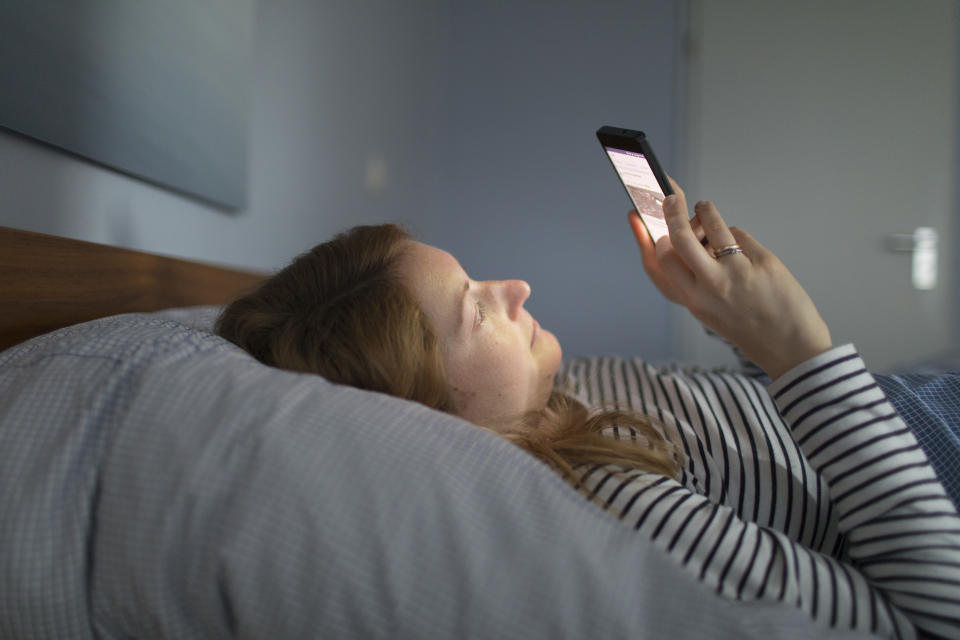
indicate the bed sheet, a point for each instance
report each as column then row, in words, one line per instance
column 930, row 405
column 165, row 484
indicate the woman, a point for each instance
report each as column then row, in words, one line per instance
column 832, row 508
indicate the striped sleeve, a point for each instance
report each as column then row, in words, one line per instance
column 740, row 559
column 738, row 451
column 876, row 582
column 902, row 531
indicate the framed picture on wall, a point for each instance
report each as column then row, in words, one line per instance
column 156, row 90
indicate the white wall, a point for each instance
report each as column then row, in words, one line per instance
column 823, row 127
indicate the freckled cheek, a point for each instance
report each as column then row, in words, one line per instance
column 495, row 368
column 464, row 397
column 498, row 362
column 486, row 376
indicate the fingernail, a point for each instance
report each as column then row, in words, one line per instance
column 669, row 200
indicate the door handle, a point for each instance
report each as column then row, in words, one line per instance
column 922, row 243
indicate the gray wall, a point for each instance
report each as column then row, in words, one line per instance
column 157, row 90
column 823, row 146
column 956, row 202
column 529, row 192
column 472, row 124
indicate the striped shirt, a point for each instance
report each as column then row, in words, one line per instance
column 832, row 507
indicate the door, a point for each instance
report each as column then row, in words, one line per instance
column 828, row 130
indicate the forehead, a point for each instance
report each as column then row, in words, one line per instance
column 429, row 262
column 436, row 279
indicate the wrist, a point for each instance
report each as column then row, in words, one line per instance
column 796, row 356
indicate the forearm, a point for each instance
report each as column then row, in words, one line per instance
column 902, row 530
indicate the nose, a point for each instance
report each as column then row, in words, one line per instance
column 515, row 293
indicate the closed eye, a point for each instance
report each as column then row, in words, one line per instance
column 481, row 313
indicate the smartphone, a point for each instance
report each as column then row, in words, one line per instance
column 641, row 175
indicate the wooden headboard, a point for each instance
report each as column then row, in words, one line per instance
column 48, row 282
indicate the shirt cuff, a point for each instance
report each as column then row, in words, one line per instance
column 811, row 367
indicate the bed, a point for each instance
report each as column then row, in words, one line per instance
column 156, row 481
column 48, row 282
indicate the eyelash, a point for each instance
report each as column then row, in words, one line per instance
column 481, row 312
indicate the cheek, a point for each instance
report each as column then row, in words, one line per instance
column 490, row 381
column 552, row 353
column 464, row 400
column 484, row 373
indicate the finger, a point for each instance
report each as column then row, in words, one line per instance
column 751, row 247
column 648, row 249
column 684, row 240
column 698, row 230
column 677, row 193
column 672, row 266
column 717, row 232
column 683, row 199
column 677, row 190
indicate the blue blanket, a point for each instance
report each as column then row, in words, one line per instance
column 930, row 404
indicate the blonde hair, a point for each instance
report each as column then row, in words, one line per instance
column 342, row 311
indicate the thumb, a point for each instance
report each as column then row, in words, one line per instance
column 644, row 241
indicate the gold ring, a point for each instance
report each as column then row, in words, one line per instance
column 727, row 250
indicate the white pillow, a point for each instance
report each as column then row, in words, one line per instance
column 159, row 482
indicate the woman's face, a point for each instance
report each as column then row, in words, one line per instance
column 499, row 362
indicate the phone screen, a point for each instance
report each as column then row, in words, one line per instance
column 641, row 184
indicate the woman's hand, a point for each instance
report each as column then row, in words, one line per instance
column 750, row 298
